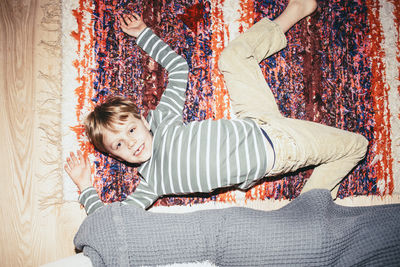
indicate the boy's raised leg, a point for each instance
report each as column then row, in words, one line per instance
column 298, row 143
column 249, row 92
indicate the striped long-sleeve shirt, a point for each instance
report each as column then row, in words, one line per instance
column 199, row 156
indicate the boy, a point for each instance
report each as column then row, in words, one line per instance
column 178, row 158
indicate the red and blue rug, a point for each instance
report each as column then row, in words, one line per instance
column 341, row 68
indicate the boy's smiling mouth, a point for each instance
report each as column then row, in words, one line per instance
column 139, row 150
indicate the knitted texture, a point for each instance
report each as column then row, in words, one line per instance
column 310, row 231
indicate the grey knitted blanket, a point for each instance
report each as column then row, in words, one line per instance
column 310, row 231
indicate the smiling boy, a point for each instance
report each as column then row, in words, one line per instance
column 177, row 158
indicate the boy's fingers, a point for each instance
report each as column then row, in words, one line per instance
column 87, row 161
column 136, row 16
column 122, row 20
column 67, row 169
column 123, row 26
column 129, row 18
column 73, row 158
column 69, row 161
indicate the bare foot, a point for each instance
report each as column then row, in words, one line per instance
column 295, row 11
column 303, row 8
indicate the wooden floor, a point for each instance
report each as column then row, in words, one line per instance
column 36, row 226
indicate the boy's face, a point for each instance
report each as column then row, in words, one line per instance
column 130, row 141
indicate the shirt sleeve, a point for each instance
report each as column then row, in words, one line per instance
column 173, row 98
column 90, row 200
column 143, row 196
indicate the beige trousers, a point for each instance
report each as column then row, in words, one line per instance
column 297, row 143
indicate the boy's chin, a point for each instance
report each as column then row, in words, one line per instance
column 131, row 162
column 139, row 161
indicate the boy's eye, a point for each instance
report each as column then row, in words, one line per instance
column 118, row 145
column 131, row 130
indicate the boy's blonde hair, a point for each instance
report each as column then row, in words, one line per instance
column 115, row 109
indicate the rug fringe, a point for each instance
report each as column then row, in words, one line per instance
column 48, row 106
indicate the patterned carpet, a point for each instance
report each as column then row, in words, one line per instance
column 341, row 68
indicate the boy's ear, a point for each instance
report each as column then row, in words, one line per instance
column 146, row 124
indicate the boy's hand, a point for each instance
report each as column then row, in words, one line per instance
column 132, row 24
column 78, row 169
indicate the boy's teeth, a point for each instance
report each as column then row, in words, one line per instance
column 138, row 150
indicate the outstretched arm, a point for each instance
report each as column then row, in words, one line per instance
column 172, row 100
column 173, row 97
column 79, row 170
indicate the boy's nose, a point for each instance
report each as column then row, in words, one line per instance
column 131, row 143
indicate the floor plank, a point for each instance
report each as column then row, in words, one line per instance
column 37, row 227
